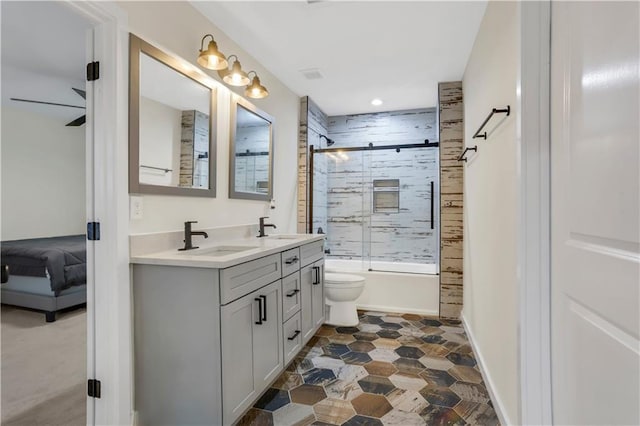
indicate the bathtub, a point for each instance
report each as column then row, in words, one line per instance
column 414, row 292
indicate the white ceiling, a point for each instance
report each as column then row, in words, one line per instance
column 392, row 50
column 43, row 56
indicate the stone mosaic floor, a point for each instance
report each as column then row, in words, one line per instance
column 392, row 369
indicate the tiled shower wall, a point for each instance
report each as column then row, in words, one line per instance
column 452, row 174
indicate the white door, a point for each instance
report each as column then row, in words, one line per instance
column 594, row 212
column 91, row 215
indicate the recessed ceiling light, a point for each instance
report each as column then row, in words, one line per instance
column 376, row 102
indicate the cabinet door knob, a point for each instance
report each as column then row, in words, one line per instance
column 294, row 335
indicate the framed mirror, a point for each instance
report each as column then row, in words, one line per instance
column 172, row 125
column 251, row 152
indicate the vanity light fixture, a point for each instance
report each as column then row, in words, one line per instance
column 235, row 76
column 211, row 58
column 256, row 90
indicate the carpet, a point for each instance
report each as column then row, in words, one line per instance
column 43, row 367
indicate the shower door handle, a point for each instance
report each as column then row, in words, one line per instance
column 432, row 204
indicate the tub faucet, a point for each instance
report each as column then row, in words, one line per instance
column 188, row 233
column 264, row 225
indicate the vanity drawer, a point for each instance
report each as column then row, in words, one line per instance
column 290, row 261
column 242, row 279
column 292, row 332
column 290, row 295
column 311, row 252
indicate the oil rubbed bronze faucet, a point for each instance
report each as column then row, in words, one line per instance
column 188, row 233
column 264, row 225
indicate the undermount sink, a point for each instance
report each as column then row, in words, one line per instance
column 284, row 237
column 219, row 251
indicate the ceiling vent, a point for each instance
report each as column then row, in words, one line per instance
column 311, row 74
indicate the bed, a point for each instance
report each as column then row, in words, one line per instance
column 47, row 274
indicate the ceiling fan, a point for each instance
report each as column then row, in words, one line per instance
column 78, row 121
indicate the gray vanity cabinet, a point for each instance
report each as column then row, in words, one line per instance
column 317, row 295
column 209, row 341
column 251, row 350
column 312, row 298
column 177, row 345
column 290, row 295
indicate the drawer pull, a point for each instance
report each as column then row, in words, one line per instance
column 292, row 260
column 264, row 300
column 293, row 292
column 294, row 335
column 259, row 300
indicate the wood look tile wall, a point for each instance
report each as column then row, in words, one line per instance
column 313, row 123
column 450, row 102
column 303, row 154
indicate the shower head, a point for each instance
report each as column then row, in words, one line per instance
column 329, row 141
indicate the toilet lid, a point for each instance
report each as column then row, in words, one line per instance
column 337, row 279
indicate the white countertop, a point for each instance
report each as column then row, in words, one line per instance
column 202, row 258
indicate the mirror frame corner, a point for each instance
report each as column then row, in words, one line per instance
column 238, row 195
column 137, row 46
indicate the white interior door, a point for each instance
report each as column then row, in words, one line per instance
column 594, row 212
column 91, row 248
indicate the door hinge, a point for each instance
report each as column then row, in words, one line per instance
column 93, row 231
column 93, row 71
column 93, row 388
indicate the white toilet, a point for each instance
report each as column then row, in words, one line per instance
column 341, row 292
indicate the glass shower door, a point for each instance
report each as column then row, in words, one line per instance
column 402, row 197
column 339, row 204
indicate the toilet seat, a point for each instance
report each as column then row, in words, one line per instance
column 343, row 280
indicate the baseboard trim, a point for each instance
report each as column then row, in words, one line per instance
column 498, row 404
column 397, row 310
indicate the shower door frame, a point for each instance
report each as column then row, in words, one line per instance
column 370, row 147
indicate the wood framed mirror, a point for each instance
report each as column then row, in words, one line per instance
column 172, row 125
column 251, row 152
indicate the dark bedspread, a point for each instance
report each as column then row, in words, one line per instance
column 64, row 258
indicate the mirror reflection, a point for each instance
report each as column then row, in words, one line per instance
column 171, row 125
column 174, row 127
column 251, row 174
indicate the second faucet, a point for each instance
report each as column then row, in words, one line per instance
column 264, row 225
